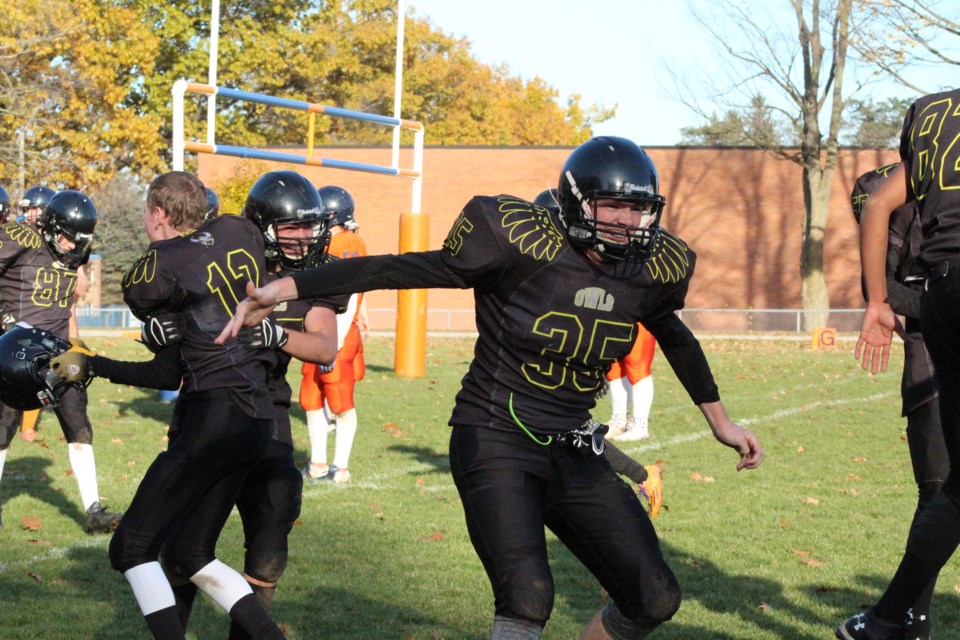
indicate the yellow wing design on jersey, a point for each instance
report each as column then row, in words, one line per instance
column 531, row 229
column 669, row 260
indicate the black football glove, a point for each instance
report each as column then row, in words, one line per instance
column 161, row 331
column 266, row 335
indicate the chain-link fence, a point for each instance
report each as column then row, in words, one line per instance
column 462, row 320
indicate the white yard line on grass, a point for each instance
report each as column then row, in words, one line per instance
column 746, row 422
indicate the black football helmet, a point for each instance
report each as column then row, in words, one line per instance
column 609, row 168
column 26, row 380
column 286, row 197
column 4, row 205
column 213, row 204
column 35, row 197
column 548, row 199
column 339, row 204
column 73, row 215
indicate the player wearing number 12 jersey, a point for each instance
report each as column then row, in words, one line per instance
column 557, row 298
column 223, row 420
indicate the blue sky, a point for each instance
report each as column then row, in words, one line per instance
column 609, row 51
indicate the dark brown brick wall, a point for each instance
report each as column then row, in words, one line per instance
column 740, row 209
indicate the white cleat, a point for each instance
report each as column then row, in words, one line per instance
column 636, row 429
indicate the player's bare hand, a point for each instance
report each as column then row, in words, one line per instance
column 745, row 442
column 876, row 334
column 258, row 304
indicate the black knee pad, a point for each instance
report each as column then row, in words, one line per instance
column 72, row 414
column 529, row 599
column 118, row 558
column 183, row 560
column 926, row 491
column 620, row 627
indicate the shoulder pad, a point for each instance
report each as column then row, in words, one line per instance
column 670, row 258
column 531, row 229
column 23, row 235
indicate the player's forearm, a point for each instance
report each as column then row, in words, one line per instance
column 716, row 416
column 423, row 270
column 685, row 355
column 163, row 372
column 874, row 233
column 316, row 348
column 624, row 464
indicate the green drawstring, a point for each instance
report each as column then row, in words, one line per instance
column 525, row 430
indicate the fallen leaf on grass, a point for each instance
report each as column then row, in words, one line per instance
column 31, row 523
column 766, row 608
column 35, row 576
column 812, row 562
column 116, row 441
column 809, row 500
column 826, row 589
column 432, row 536
column 799, row 552
column 68, row 473
column 859, row 459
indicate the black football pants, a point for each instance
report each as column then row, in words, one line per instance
column 72, row 414
column 511, row 487
column 193, row 485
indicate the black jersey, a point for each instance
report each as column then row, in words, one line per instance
column 34, row 286
column 203, row 275
column 550, row 320
column 928, row 146
column 291, row 315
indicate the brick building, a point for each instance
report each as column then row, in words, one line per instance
column 740, row 209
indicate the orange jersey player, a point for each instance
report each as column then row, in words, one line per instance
column 631, row 383
column 327, row 396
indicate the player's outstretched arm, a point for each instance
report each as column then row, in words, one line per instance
column 258, row 304
column 733, row 435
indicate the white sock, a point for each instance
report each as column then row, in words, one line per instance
column 85, row 471
column 3, row 459
column 328, row 414
column 221, row 583
column 150, row 587
column 317, row 428
column 618, row 396
column 642, row 396
column 346, row 430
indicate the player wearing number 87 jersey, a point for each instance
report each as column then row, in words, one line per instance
column 38, row 275
column 558, row 296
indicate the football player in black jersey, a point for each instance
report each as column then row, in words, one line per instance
column 223, row 419
column 927, row 175
column 286, row 208
column 38, row 275
column 921, row 405
column 557, row 297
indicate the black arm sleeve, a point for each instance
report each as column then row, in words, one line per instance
column 163, row 372
column 624, row 464
column 423, row 270
column 682, row 350
column 903, row 299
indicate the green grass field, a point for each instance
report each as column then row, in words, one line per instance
column 783, row 552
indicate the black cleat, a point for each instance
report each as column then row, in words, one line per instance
column 865, row 626
column 99, row 520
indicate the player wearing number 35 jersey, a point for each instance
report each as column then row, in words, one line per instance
column 558, row 296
